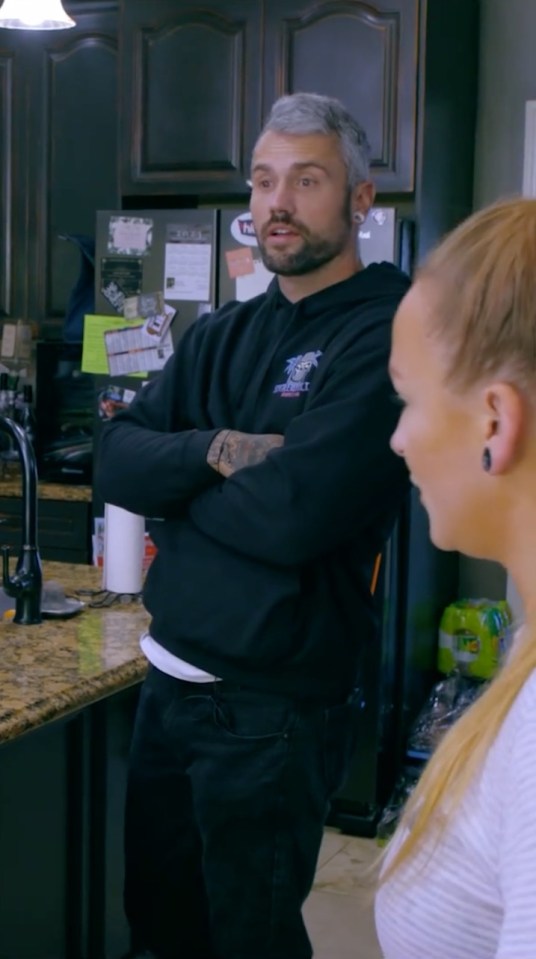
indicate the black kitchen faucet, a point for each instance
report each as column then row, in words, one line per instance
column 26, row 583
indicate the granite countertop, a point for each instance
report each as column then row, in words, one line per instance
column 55, row 668
column 12, row 487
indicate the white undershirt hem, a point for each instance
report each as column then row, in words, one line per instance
column 172, row 665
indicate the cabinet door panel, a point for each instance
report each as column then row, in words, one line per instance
column 14, row 199
column 191, row 95
column 6, row 220
column 365, row 54
column 74, row 164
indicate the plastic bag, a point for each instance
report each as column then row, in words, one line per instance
column 447, row 701
column 393, row 810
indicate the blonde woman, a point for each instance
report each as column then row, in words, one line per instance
column 459, row 880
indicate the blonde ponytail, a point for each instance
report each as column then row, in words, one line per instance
column 461, row 753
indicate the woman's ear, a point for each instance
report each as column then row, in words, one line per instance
column 506, row 413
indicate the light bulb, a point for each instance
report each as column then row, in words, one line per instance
column 34, row 15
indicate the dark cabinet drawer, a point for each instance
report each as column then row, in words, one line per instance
column 64, row 528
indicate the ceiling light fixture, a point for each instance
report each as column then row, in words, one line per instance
column 34, row 15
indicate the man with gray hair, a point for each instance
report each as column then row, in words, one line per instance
column 262, row 454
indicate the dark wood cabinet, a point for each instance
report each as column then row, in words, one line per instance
column 64, row 529
column 14, row 235
column 366, row 55
column 59, row 130
column 6, row 82
column 190, row 95
column 159, row 102
column 75, row 163
column 39, row 880
column 62, row 796
column 447, row 115
column 198, row 80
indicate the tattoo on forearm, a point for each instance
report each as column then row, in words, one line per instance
column 215, row 449
column 232, row 450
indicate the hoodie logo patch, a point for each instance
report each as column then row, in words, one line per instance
column 298, row 370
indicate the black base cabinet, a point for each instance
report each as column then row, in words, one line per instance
column 34, row 857
column 62, row 792
column 111, row 725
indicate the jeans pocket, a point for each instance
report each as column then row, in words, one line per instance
column 341, row 733
column 248, row 715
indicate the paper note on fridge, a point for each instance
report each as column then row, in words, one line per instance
column 132, row 350
column 187, row 270
column 130, row 235
column 254, row 283
column 94, row 358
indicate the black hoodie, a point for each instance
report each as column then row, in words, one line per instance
column 263, row 578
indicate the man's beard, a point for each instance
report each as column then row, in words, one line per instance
column 315, row 250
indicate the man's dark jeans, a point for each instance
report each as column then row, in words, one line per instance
column 227, row 797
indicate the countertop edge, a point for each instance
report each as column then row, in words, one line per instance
column 59, row 492
column 88, row 692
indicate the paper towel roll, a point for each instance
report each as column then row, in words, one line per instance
column 124, row 539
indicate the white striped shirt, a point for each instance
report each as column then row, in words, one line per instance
column 474, row 895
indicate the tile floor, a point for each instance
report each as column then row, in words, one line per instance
column 339, row 911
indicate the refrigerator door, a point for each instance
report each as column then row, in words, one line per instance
column 399, row 670
column 241, row 272
column 147, row 251
column 172, row 252
column 378, row 240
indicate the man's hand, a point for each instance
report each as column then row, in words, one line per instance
column 231, row 450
